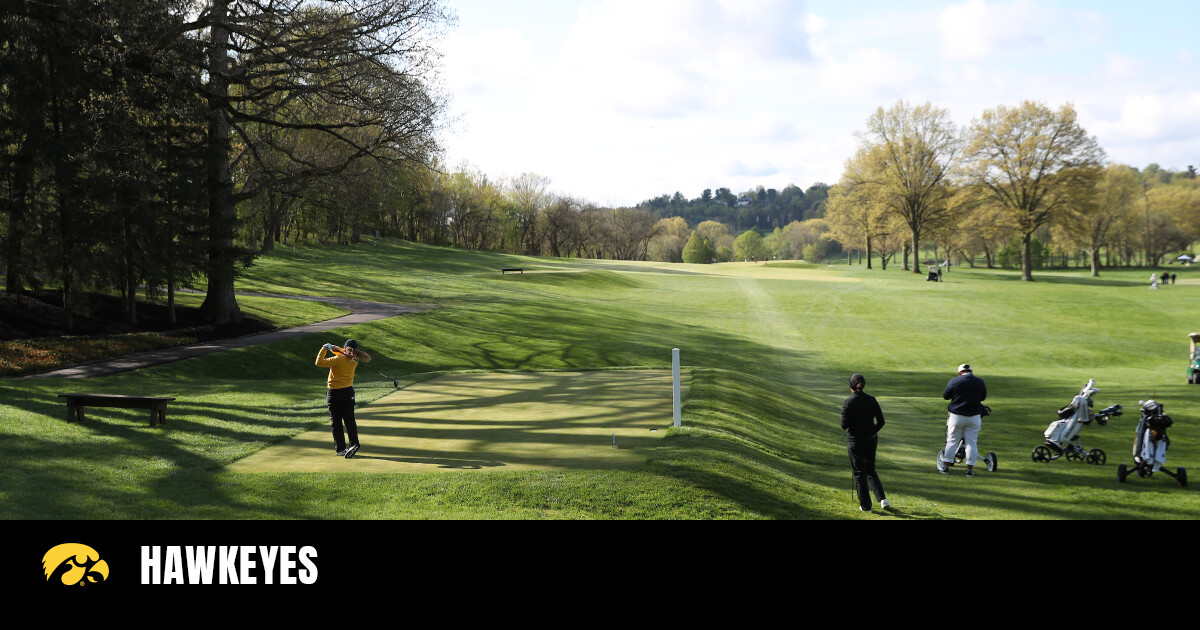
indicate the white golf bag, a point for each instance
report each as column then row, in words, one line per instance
column 1072, row 418
column 1062, row 436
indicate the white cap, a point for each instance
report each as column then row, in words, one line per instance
column 964, row 368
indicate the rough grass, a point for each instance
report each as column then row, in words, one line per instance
column 769, row 348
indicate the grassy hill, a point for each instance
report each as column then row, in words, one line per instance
column 768, row 348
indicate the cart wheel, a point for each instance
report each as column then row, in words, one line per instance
column 1097, row 457
column 1073, row 456
column 940, row 457
column 1122, row 472
column 1181, row 477
column 960, row 455
column 1041, row 454
column 990, row 460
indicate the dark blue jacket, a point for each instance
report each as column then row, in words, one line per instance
column 966, row 394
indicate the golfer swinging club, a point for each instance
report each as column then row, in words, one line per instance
column 340, row 395
column 966, row 393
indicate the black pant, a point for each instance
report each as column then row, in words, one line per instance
column 341, row 410
column 862, row 463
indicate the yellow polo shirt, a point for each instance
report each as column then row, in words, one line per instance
column 341, row 369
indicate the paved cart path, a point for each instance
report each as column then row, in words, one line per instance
column 360, row 312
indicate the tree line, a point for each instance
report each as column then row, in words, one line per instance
column 141, row 137
column 761, row 209
column 1026, row 178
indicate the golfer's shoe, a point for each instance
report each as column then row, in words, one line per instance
column 351, row 451
column 970, row 473
column 341, row 453
column 864, row 509
column 885, row 505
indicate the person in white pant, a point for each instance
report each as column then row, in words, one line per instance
column 966, row 393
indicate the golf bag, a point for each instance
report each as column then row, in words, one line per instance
column 1150, row 445
column 1062, row 436
column 933, row 276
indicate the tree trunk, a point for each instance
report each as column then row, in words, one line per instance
column 1026, row 258
column 130, row 272
column 1095, row 263
column 220, row 305
column 171, row 296
column 18, row 209
column 65, row 204
column 916, row 252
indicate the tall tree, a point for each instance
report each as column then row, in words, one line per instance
column 857, row 213
column 1090, row 225
column 749, row 245
column 915, row 150
column 360, row 73
column 1036, row 162
column 531, row 196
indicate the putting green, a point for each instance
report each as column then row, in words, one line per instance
column 494, row 421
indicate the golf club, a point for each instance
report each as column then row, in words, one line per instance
column 395, row 383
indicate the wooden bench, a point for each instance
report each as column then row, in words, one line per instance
column 156, row 404
column 508, row 269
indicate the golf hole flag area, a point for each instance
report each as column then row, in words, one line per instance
column 494, row 421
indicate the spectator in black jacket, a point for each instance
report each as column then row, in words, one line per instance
column 966, row 393
column 861, row 420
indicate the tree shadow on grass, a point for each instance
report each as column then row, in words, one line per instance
column 1049, row 278
column 111, row 466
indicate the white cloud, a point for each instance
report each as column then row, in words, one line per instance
column 489, row 60
column 671, row 57
column 868, row 74
column 771, row 127
column 977, row 29
column 1155, row 117
column 738, row 169
column 815, row 24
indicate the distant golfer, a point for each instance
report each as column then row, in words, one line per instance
column 340, row 395
column 1153, row 282
column 861, row 420
column 966, row 393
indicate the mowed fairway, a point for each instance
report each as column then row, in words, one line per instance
column 498, row 421
column 767, row 351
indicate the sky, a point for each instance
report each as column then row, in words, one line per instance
column 620, row 101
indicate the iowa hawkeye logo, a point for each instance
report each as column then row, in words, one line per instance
column 75, row 564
